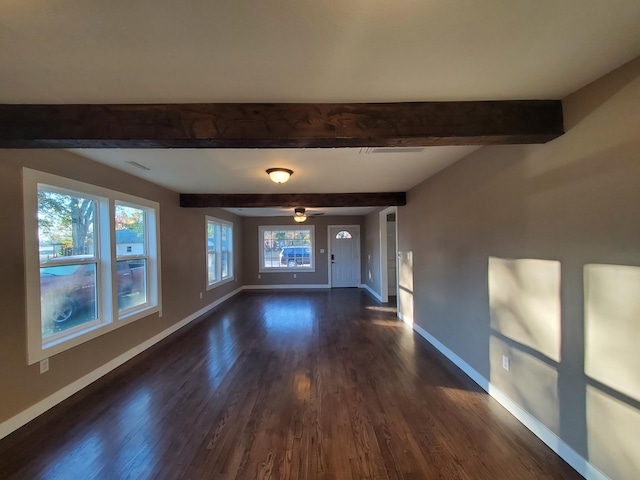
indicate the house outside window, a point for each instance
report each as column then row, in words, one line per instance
column 219, row 238
column 286, row 248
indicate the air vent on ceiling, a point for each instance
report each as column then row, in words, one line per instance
column 368, row 150
column 137, row 165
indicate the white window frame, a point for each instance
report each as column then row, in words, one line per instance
column 217, row 249
column 105, row 258
column 150, row 255
column 263, row 228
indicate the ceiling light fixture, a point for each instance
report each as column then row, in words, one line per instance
column 279, row 175
column 300, row 216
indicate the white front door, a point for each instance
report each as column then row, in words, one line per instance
column 344, row 254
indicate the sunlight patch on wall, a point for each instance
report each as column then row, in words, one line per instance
column 531, row 382
column 405, row 286
column 612, row 326
column 524, row 298
column 613, row 435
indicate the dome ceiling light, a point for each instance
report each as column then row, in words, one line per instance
column 279, row 175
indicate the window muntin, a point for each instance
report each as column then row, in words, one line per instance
column 225, row 250
column 65, row 224
column 287, row 248
column 68, row 261
column 132, row 260
column 219, row 251
column 72, row 266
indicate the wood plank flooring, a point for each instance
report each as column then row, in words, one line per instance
column 288, row 385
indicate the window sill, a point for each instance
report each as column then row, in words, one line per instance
column 92, row 330
column 288, row 270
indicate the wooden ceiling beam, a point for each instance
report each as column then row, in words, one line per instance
column 384, row 199
column 263, row 125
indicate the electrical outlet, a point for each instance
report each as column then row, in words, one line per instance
column 295, row 275
column 506, row 363
column 259, row 277
column 200, row 295
column 44, row 365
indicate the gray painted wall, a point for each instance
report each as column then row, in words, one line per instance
column 183, row 267
column 533, row 252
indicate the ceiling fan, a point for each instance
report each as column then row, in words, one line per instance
column 301, row 214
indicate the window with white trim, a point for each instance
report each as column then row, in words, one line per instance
column 132, row 256
column 219, row 251
column 91, row 261
column 287, row 248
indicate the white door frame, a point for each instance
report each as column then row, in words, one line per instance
column 384, row 273
column 329, row 227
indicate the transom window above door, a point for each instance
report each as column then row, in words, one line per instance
column 343, row 234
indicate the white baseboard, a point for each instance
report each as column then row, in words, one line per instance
column 568, row 454
column 24, row 417
column 371, row 291
column 283, row 286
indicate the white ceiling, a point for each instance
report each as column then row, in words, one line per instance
column 330, row 170
column 333, row 170
column 78, row 51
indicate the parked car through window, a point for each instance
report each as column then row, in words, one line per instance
column 295, row 256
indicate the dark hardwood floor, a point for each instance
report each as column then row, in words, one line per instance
column 290, row 385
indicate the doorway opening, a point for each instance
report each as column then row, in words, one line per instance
column 389, row 255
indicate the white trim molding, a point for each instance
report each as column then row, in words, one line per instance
column 12, row 424
column 568, row 454
column 371, row 291
column 102, row 263
column 299, row 268
column 287, row 286
column 384, row 273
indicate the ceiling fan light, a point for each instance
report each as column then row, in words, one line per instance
column 279, row 175
column 299, row 211
column 300, row 218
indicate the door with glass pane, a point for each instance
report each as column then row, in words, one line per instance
column 344, row 245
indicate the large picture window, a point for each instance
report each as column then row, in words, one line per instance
column 283, row 248
column 219, row 251
column 91, row 261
